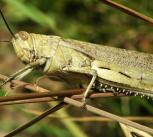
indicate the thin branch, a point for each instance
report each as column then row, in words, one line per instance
column 47, row 97
column 36, row 119
column 90, row 118
column 108, row 115
column 128, row 11
column 41, row 95
column 44, row 95
column 39, row 92
column 25, row 85
column 25, row 101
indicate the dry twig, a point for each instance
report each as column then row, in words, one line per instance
column 36, row 119
column 108, row 115
column 44, row 95
column 128, row 11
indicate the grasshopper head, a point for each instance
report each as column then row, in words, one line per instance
column 22, row 43
column 23, row 46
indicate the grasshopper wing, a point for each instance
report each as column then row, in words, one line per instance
column 120, row 57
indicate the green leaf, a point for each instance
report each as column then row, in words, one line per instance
column 34, row 14
column 2, row 92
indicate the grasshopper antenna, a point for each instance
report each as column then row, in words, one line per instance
column 7, row 24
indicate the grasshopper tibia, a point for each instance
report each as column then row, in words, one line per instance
column 88, row 89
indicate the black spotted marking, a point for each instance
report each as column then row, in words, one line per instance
column 128, row 76
column 105, row 68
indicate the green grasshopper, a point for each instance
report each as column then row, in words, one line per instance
column 110, row 69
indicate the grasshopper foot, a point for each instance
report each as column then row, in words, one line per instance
column 84, row 102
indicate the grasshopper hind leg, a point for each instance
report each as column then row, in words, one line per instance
column 85, row 95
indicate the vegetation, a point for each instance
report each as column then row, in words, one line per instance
column 87, row 20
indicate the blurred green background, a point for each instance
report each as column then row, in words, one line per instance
column 87, row 20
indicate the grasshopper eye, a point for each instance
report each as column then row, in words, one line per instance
column 23, row 35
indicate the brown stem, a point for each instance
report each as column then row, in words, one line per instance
column 128, row 11
column 25, row 101
column 25, row 85
column 46, row 97
column 43, row 95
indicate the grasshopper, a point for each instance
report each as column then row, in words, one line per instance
column 111, row 69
